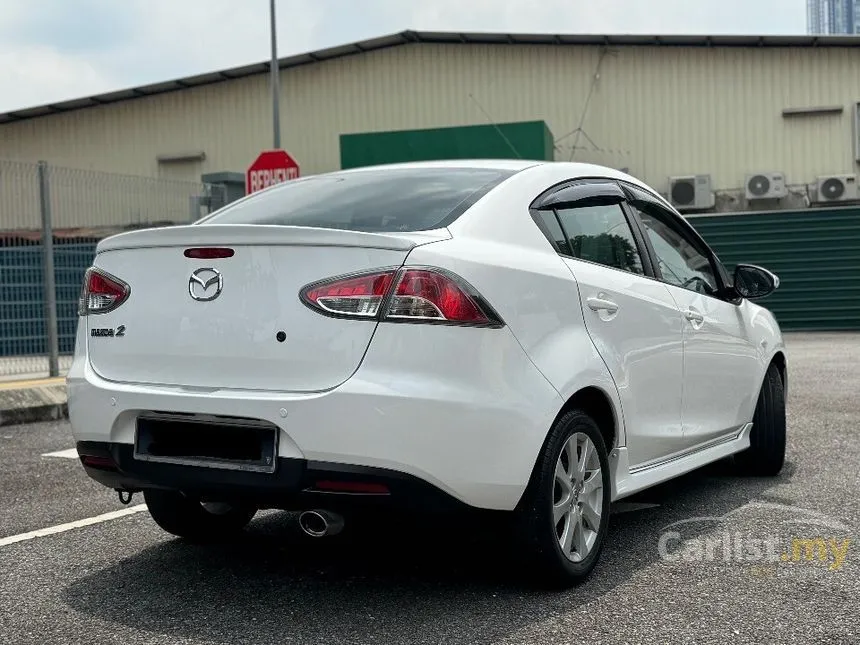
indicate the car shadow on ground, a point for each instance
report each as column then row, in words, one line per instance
column 416, row 581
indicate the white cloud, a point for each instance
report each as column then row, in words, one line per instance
column 37, row 75
column 55, row 50
column 218, row 33
column 169, row 39
column 613, row 16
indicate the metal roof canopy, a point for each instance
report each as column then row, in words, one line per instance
column 439, row 37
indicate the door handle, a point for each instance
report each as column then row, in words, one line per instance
column 601, row 304
column 694, row 316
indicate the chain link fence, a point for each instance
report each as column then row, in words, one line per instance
column 51, row 219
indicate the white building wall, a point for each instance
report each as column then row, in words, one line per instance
column 659, row 111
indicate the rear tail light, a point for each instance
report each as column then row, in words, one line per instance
column 429, row 295
column 359, row 296
column 102, row 293
column 422, row 294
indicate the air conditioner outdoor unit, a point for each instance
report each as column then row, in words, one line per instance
column 836, row 188
column 691, row 192
column 765, row 185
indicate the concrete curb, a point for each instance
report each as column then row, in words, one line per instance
column 33, row 404
column 35, row 414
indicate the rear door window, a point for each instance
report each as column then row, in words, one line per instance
column 601, row 234
column 548, row 220
column 376, row 201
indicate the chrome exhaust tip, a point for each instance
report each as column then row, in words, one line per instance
column 319, row 523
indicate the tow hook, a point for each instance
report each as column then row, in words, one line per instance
column 124, row 496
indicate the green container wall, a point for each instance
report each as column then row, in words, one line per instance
column 815, row 252
column 523, row 140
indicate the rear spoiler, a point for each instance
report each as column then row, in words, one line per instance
column 266, row 235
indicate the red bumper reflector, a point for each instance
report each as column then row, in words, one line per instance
column 353, row 487
column 105, row 463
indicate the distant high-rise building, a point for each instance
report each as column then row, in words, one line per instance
column 833, row 16
column 816, row 16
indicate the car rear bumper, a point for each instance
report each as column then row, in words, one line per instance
column 472, row 433
column 295, row 483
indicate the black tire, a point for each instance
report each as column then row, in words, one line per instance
column 186, row 517
column 551, row 566
column 766, row 454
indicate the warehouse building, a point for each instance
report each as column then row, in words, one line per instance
column 756, row 139
column 716, row 122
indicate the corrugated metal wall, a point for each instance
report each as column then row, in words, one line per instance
column 526, row 140
column 815, row 253
column 658, row 110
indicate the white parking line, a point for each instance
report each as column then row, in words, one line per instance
column 71, row 453
column 62, row 528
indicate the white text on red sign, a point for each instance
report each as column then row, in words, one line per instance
column 260, row 179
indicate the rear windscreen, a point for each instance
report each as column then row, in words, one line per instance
column 377, row 201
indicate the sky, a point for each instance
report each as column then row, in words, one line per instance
column 55, row 50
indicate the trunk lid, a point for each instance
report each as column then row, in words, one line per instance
column 232, row 340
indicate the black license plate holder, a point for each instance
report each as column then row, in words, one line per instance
column 211, row 442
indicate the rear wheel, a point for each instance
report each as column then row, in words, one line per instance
column 196, row 520
column 766, row 454
column 566, row 512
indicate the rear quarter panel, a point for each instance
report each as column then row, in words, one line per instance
column 536, row 296
column 497, row 247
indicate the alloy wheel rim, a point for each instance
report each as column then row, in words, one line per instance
column 577, row 504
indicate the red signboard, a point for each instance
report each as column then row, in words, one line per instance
column 271, row 167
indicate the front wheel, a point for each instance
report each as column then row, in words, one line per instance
column 566, row 511
column 766, row 454
column 199, row 521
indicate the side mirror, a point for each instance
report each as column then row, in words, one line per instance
column 753, row 282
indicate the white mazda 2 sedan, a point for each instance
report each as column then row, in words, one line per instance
column 538, row 338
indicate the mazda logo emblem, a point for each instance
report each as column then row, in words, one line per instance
column 205, row 284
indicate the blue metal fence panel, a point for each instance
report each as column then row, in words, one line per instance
column 22, row 297
column 82, row 207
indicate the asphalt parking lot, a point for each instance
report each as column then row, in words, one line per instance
column 122, row 580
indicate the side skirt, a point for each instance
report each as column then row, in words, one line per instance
column 626, row 480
